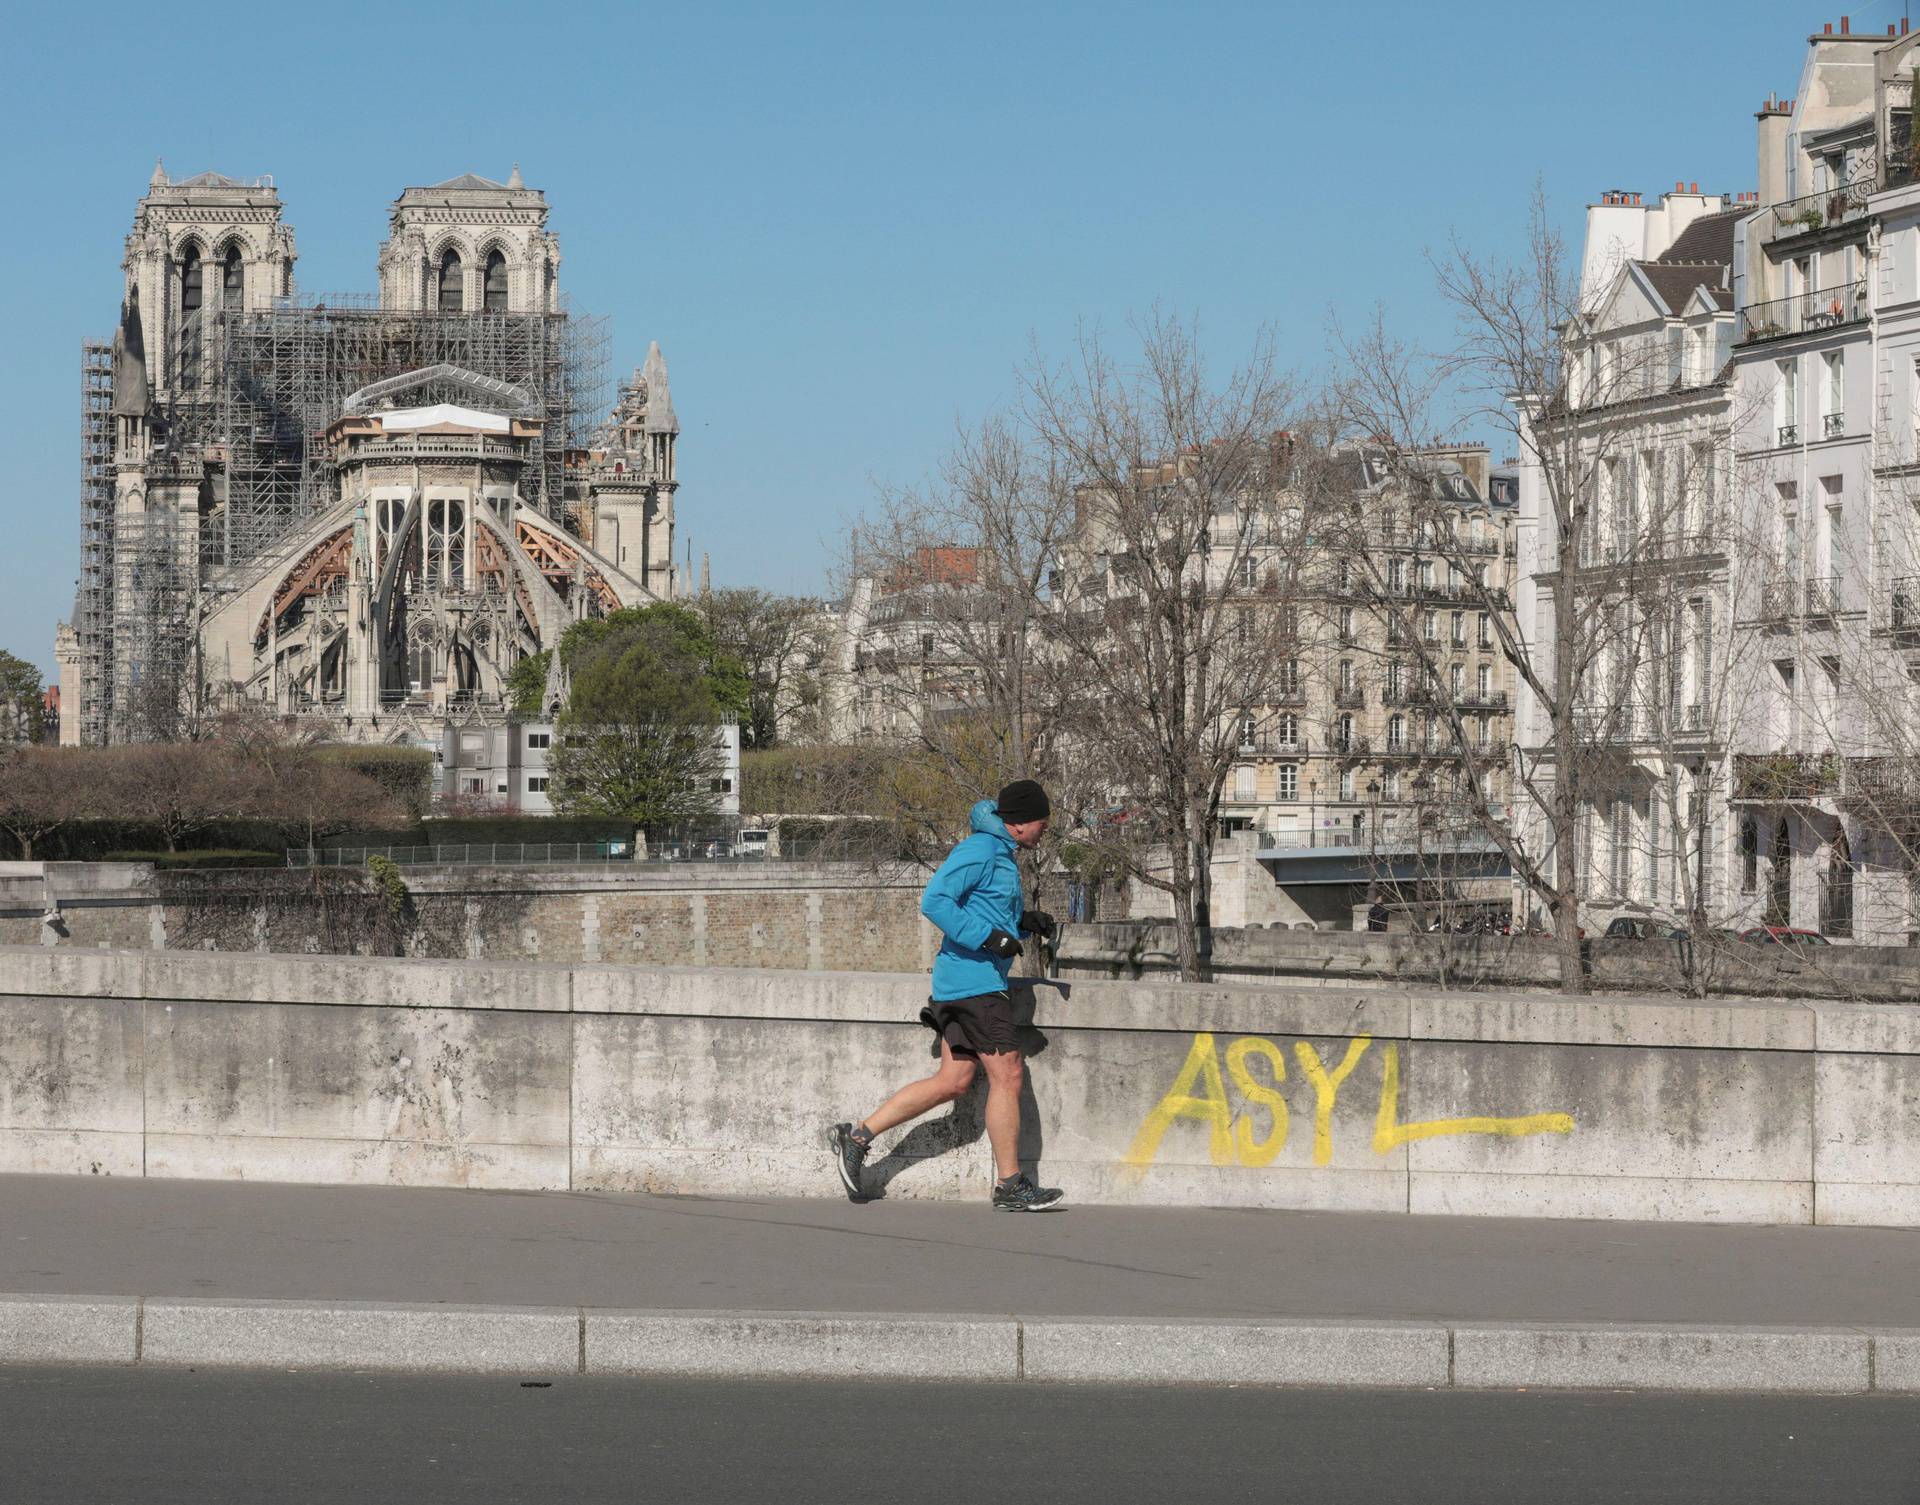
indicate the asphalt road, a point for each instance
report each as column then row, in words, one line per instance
column 80, row 1436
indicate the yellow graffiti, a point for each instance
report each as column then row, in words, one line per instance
column 1232, row 1140
column 1389, row 1133
column 1324, row 1088
column 1202, row 1065
column 1258, row 1151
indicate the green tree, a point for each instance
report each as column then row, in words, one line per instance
column 22, row 704
column 639, row 738
column 527, row 685
column 663, row 624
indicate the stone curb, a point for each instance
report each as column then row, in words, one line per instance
column 207, row 1332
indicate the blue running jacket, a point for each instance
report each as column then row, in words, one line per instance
column 975, row 892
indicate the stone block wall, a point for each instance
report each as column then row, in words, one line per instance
column 718, row 1081
column 784, row 916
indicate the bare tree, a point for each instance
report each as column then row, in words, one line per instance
column 177, row 788
column 1174, row 625
column 41, row 790
column 947, row 593
column 772, row 636
column 1622, row 638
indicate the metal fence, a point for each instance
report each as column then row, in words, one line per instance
column 503, row 852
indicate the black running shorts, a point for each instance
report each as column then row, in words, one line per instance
column 978, row 1026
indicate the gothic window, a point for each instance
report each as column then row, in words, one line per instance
column 452, row 283
column 496, row 284
column 190, row 281
column 232, row 277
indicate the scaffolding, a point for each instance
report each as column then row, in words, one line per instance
column 237, row 461
column 283, row 375
column 91, row 700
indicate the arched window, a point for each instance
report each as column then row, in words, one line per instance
column 232, row 279
column 452, row 283
column 190, row 281
column 1836, row 889
column 1749, row 856
column 1779, row 909
column 496, row 285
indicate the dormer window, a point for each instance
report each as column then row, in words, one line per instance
column 452, row 283
column 495, row 300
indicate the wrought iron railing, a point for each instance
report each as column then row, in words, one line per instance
column 1804, row 312
column 1904, row 604
column 1823, row 596
column 1815, row 211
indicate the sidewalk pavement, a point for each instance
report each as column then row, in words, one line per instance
column 203, row 1273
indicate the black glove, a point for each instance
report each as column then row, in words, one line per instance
column 1036, row 922
column 1002, row 945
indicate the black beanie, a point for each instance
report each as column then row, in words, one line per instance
column 1023, row 799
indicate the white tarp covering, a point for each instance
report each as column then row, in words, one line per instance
column 442, row 412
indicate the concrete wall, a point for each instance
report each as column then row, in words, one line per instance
column 789, row 915
column 537, row 1075
column 1129, row 949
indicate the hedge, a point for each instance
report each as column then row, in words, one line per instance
column 182, row 861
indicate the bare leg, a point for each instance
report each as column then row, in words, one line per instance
column 1004, row 1074
column 944, row 1086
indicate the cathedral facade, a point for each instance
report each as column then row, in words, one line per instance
column 366, row 510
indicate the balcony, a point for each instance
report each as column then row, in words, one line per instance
column 1886, row 790
column 1822, row 596
column 1273, row 745
column 1605, row 724
column 1814, row 211
column 1350, row 747
column 1833, row 426
column 1785, row 434
column 1352, row 699
column 1803, row 313
column 1784, row 777
column 1903, row 607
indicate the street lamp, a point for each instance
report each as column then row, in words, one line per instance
column 1373, row 798
column 1313, row 820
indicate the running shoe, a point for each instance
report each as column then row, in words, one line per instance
column 1021, row 1195
column 849, row 1155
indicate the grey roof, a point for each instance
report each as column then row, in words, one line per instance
column 1709, row 238
column 210, row 180
column 1675, row 282
column 468, row 180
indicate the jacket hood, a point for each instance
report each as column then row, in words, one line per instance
column 983, row 819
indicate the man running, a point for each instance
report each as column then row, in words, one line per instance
column 975, row 900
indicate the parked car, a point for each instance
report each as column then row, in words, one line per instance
column 1784, row 935
column 1642, row 928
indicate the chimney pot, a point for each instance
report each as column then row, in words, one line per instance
column 1829, row 30
column 1693, row 188
column 1679, row 187
column 1845, row 25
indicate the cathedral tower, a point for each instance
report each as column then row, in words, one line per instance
column 471, row 245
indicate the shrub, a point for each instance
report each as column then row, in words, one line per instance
column 199, row 861
column 405, row 773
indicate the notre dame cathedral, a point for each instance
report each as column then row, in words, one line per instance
column 362, row 508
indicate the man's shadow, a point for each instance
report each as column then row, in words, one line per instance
column 967, row 1123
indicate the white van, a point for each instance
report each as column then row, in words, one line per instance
column 752, row 842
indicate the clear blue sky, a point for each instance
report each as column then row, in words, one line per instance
column 844, row 221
